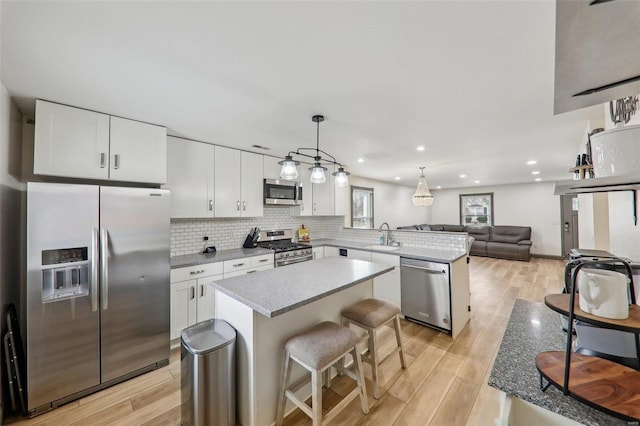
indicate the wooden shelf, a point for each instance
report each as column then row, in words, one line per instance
column 560, row 304
column 604, row 385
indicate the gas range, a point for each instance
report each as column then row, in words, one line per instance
column 287, row 251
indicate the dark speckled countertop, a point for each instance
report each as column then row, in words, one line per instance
column 534, row 328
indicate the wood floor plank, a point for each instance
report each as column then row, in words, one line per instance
column 457, row 403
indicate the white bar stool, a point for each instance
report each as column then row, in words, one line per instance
column 371, row 314
column 318, row 349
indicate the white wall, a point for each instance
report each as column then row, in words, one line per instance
column 10, row 207
column 531, row 205
column 624, row 236
column 391, row 203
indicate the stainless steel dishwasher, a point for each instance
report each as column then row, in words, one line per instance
column 426, row 296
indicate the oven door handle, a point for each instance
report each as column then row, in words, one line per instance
column 292, row 261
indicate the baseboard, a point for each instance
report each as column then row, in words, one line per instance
column 547, row 256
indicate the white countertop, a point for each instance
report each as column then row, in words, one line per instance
column 276, row 291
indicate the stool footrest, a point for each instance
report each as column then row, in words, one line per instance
column 298, row 402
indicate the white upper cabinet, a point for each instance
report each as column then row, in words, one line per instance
column 76, row 143
column 70, row 142
column 238, row 177
column 306, row 208
column 251, row 184
column 138, row 151
column 271, row 167
column 190, row 178
column 322, row 199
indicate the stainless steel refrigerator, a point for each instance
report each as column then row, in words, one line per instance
column 97, row 295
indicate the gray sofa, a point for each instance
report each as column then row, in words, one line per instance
column 503, row 242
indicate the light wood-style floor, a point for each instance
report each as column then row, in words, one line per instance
column 444, row 384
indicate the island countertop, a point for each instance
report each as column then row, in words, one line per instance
column 276, row 291
column 534, row 328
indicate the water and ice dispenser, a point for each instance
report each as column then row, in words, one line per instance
column 65, row 274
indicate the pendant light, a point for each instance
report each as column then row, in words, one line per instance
column 422, row 197
column 289, row 169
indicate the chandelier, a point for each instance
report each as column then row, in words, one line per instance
column 289, row 169
column 422, row 197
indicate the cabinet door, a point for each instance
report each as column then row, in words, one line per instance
column 359, row 254
column 271, row 167
column 318, row 252
column 330, row 251
column 138, row 152
column 183, row 306
column 324, row 196
column 251, row 175
column 227, row 178
column 387, row 286
column 190, row 178
column 70, row 142
column 205, row 298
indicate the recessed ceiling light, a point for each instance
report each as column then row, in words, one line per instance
column 535, row 172
column 438, row 187
column 462, row 176
column 476, row 181
column 420, row 148
column 397, row 178
column 531, row 162
column 538, row 179
column 360, row 160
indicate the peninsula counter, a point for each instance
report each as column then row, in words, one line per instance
column 269, row 307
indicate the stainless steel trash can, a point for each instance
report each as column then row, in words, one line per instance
column 208, row 376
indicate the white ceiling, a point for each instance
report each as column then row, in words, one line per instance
column 472, row 81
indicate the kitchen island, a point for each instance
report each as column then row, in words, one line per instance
column 269, row 307
column 534, row 328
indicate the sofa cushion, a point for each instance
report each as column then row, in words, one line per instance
column 480, row 234
column 424, row 227
column 478, row 248
column 453, row 228
column 410, row 227
column 436, row 227
column 510, row 234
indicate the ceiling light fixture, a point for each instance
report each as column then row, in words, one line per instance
column 397, row 178
column 538, row 179
column 289, row 169
column 420, row 148
column 422, row 197
column 531, row 162
column 535, row 172
column 360, row 160
column 476, row 181
column 438, row 187
column 462, row 176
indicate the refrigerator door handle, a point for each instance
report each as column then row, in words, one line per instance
column 104, row 267
column 94, row 269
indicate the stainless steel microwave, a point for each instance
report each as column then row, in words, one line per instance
column 282, row 192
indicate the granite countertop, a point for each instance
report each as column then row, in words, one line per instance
column 434, row 255
column 534, row 328
column 276, row 291
column 219, row 256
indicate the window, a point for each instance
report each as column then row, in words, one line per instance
column 361, row 207
column 476, row 209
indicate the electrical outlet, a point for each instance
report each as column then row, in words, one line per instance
column 205, row 238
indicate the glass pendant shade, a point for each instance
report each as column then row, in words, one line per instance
column 422, row 196
column 317, row 173
column 289, row 169
column 341, row 178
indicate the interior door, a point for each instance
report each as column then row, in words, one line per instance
column 569, row 220
column 135, row 293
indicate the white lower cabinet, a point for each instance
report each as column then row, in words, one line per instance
column 330, row 251
column 359, row 254
column 192, row 293
column 387, row 286
column 318, row 252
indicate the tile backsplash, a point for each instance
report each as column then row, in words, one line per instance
column 229, row 233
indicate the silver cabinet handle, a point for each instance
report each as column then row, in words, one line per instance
column 428, row 270
column 244, row 206
column 103, row 157
column 238, row 205
column 210, row 205
column 116, row 161
column 193, row 293
column 251, row 272
column 104, row 267
column 237, row 265
column 94, row 269
column 201, row 290
column 196, row 272
column 264, row 260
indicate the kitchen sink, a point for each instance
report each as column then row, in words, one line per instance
column 381, row 248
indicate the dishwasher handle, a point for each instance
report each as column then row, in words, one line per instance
column 427, row 270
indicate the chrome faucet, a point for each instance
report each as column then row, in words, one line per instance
column 388, row 232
